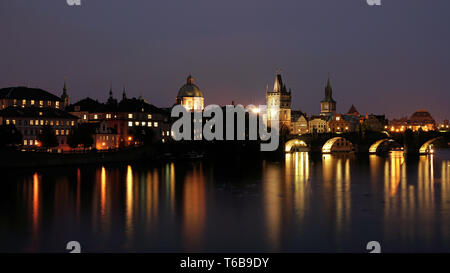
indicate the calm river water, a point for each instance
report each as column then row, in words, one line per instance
column 304, row 203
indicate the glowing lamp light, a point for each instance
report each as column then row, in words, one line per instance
column 256, row 110
column 130, row 138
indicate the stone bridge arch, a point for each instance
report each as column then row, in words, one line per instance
column 296, row 145
column 374, row 147
column 427, row 147
column 337, row 144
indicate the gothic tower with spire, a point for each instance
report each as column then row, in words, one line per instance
column 111, row 99
column 279, row 103
column 64, row 96
column 328, row 105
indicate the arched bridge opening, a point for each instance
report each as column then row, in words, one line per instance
column 428, row 147
column 384, row 145
column 296, row 145
column 337, row 144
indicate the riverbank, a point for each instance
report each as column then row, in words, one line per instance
column 10, row 159
column 160, row 152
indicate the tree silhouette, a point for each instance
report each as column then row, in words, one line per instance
column 81, row 134
column 9, row 135
column 47, row 137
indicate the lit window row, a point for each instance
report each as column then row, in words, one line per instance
column 30, row 142
column 33, row 102
column 142, row 123
column 41, row 122
column 62, row 132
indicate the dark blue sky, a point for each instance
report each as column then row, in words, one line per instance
column 392, row 59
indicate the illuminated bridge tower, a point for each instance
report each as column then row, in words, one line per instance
column 328, row 105
column 279, row 103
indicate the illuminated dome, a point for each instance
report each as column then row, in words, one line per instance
column 421, row 117
column 189, row 89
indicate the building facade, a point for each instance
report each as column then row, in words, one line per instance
column 338, row 124
column 318, row 124
column 299, row 123
column 124, row 117
column 105, row 137
column 30, row 120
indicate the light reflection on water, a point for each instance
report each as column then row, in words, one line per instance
column 303, row 203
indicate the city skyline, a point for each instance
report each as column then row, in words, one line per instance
column 233, row 53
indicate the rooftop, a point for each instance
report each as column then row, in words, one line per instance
column 22, row 92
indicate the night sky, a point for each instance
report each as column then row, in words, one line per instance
column 392, row 59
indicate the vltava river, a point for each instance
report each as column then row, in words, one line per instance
column 304, row 203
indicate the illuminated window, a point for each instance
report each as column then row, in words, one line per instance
column 149, row 124
column 7, row 122
column 155, row 124
column 137, row 123
column 57, row 132
column 32, row 102
column 42, row 122
column 143, row 123
column 108, row 115
column 149, row 116
column 25, row 142
column 41, row 103
column 130, row 115
column 130, row 124
column 95, row 116
column 24, row 102
column 73, row 123
column 84, row 117
column 31, row 122
column 49, row 103
column 51, row 122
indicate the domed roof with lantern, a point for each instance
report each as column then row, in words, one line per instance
column 189, row 89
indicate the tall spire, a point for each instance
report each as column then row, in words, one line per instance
column 65, row 87
column 278, row 85
column 110, row 90
column 328, row 91
column 124, row 94
column 64, row 96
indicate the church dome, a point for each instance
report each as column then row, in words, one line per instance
column 421, row 117
column 189, row 89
